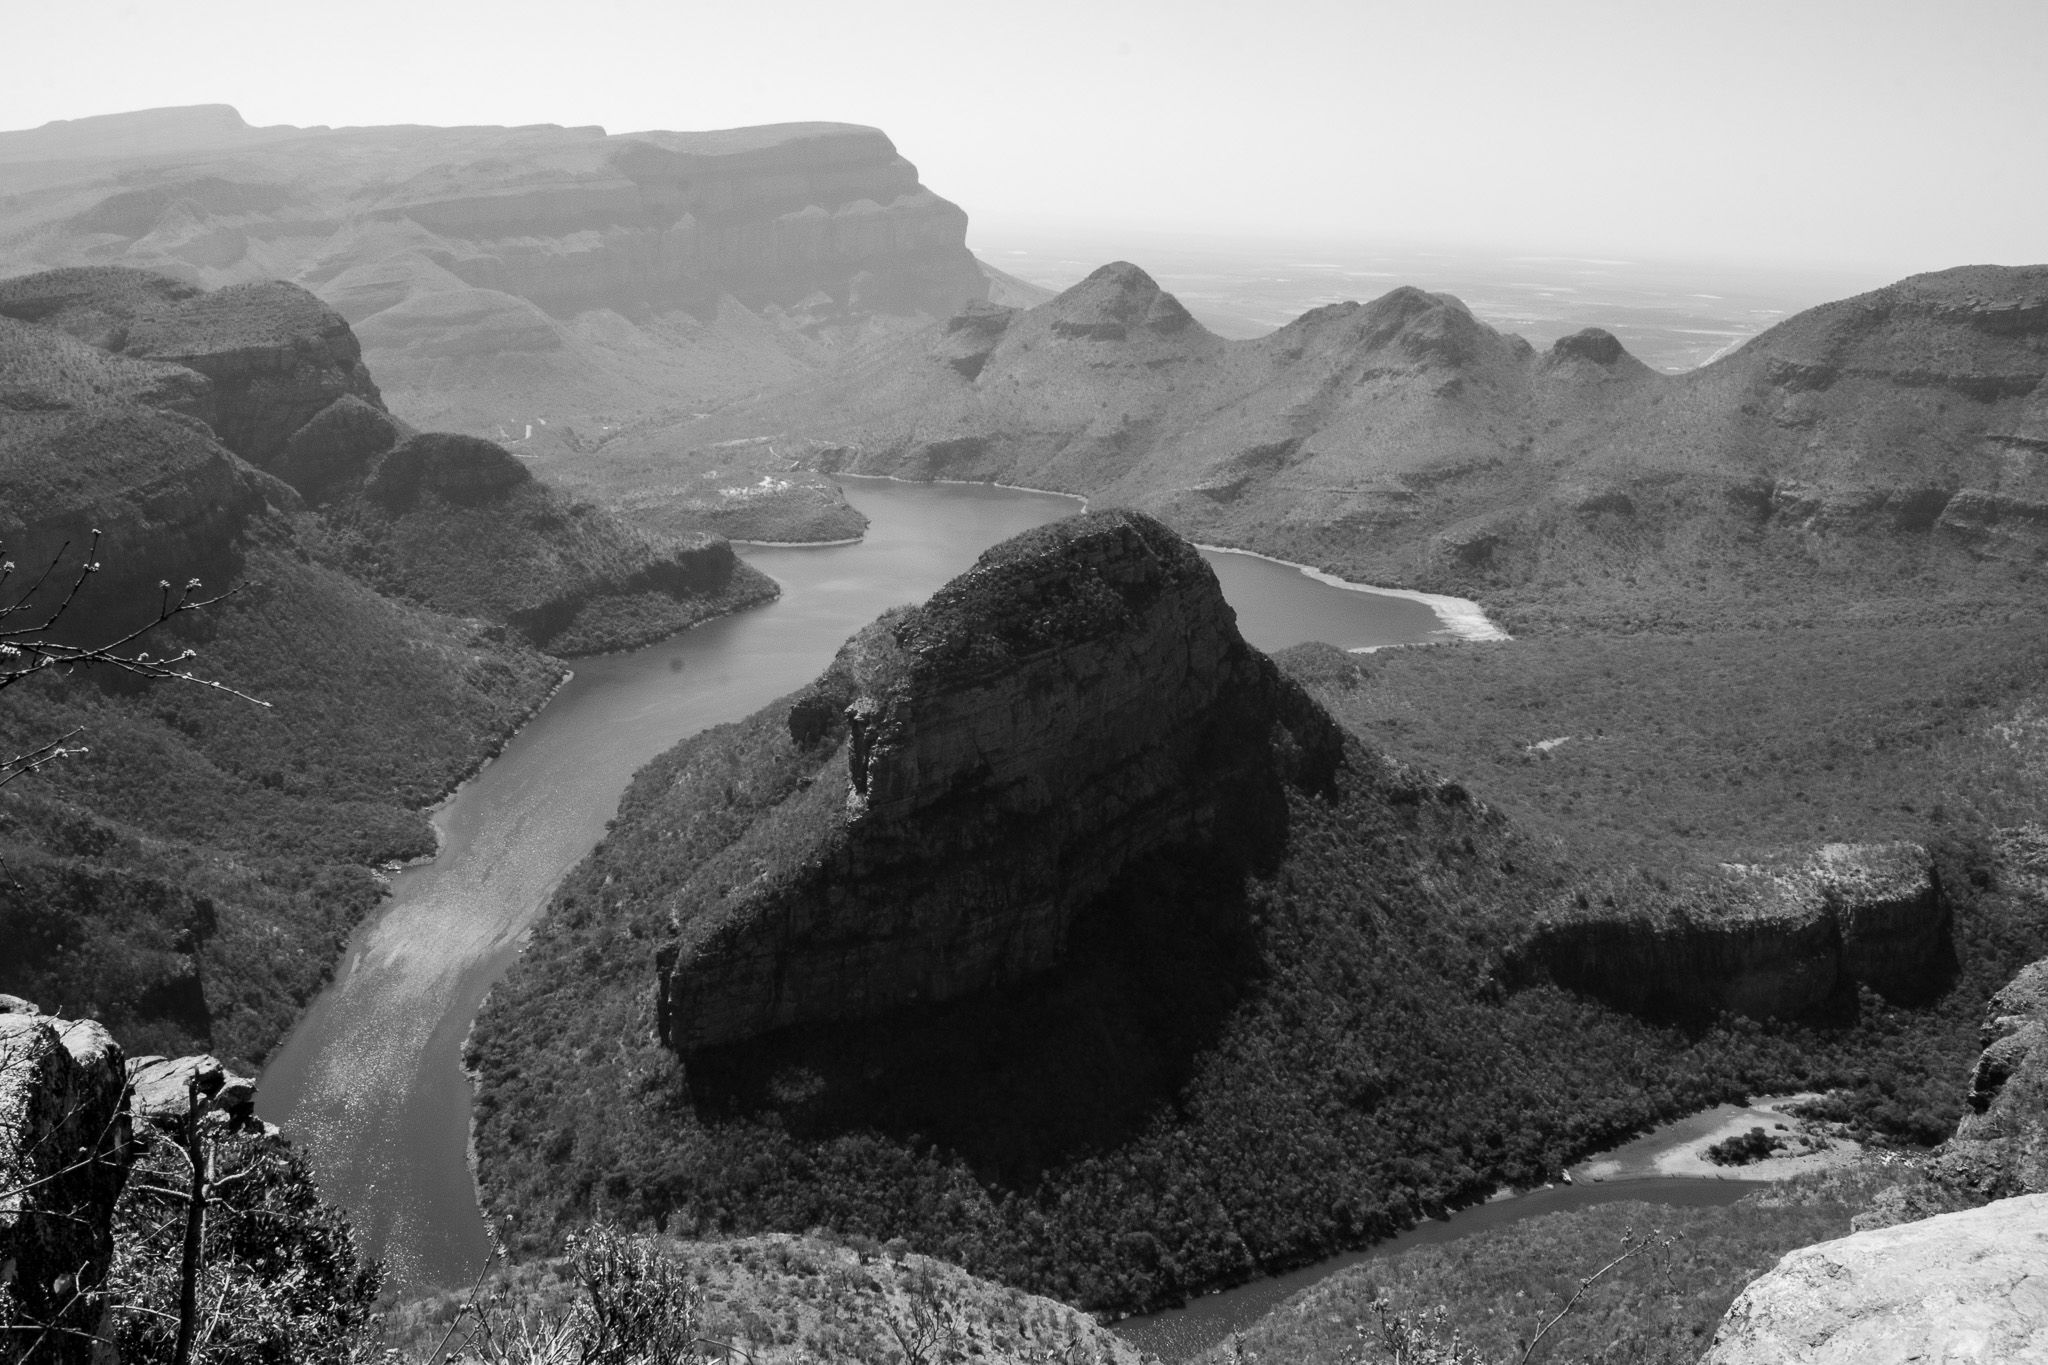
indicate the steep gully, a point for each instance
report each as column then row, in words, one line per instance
column 370, row 1080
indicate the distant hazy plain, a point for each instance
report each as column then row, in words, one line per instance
column 1671, row 315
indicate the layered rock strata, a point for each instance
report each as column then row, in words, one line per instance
column 64, row 1156
column 1963, row 1286
column 1780, row 942
column 980, row 768
column 166, row 418
column 503, row 275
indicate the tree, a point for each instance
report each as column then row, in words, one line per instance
column 31, row 642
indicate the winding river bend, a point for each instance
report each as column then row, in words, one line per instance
column 370, row 1081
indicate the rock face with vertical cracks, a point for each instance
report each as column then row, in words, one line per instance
column 63, row 1160
column 984, row 767
column 1785, row 942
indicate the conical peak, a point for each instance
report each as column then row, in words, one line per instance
column 1114, row 302
column 1429, row 327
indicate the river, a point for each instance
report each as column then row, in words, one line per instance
column 370, row 1080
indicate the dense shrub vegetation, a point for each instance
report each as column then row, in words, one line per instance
column 1239, row 1068
column 1684, row 751
column 459, row 524
column 191, row 878
column 1696, row 749
column 281, row 1280
column 625, row 1299
column 1744, row 1148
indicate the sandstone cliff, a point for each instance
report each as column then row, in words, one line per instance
column 2000, row 1146
column 500, row 277
column 100, row 436
column 1963, row 1286
column 978, row 769
column 1776, row 942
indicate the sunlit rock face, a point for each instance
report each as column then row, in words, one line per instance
column 64, row 1154
column 981, row 768
column 1964, row 1286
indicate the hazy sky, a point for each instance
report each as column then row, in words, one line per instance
column 1884, row 135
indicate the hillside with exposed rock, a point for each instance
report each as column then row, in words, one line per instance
column 1883, row 447
column 1058, row 932
column 533, row 283
column 188, row 876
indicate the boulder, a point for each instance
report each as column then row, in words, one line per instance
column 161, row 1090
column 1962, row 1286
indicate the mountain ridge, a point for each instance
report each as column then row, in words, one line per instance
column 1404, row 442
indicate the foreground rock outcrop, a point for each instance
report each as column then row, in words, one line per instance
column 1963, row 1286
column 1776, row 942
column 982, row 767
column 64, row 1156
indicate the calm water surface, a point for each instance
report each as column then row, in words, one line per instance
column 370, row 1081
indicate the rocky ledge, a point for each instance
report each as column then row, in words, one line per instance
column 1772, row 941
column 1964, row 1286
column 64, row 1154
column 970, row 773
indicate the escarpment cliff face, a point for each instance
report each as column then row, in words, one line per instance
column 978, row 770
column 188, row 875
column 126, row 435
column 500, row 277
column 275, row 356
column 2000, row 1146
column 1776, row 942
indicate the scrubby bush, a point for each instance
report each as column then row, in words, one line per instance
column 1745, row 1148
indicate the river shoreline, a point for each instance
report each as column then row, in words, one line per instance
column 1462, row 618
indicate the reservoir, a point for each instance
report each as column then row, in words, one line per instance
column 370, row 1082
